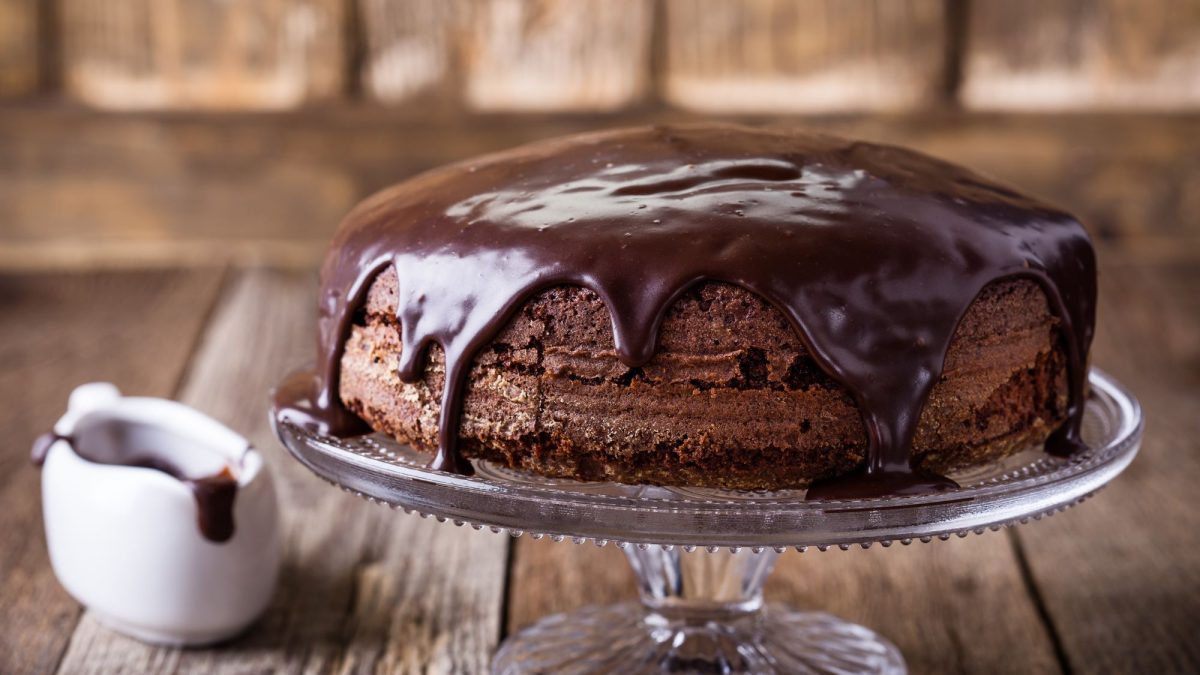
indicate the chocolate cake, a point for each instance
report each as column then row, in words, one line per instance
column 706, row 305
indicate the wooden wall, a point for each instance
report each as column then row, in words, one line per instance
column 803, row 55
column 715, row 56
column 508, row 54
column 202, row 53
column 1075, row 54
column 19, row 63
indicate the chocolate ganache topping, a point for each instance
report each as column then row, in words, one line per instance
column 872, row 252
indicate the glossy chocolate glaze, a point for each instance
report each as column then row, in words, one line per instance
column 873, row 253
column 214, row 495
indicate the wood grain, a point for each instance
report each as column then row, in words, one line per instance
column 1031, row 55
column 803, row 55
column 136, row 330
column 579, row 55
column 955, row 606
column 1120, row 575
column 18, row 47
column 511, row 55
column 409, row 51
column 177, row 54
column 364, row 588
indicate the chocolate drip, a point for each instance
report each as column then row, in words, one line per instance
column 214, row 495
column 873, row 253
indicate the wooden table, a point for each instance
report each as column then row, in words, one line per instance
column 1111, row 586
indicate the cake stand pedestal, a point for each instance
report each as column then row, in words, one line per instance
column 701, row 556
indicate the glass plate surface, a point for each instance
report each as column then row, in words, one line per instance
column 1027, row 485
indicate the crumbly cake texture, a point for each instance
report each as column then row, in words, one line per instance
column 731, row 398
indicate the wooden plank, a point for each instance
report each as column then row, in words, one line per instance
column 1031, row 55
column 557, row 55
column 409, row 51
column 176, row 54
column 524, row 55
column 18, row 47
column 1120, row 575
column 954, row 606
column 363, row 588
column 81, row 188
column 776, row 56
column 136, row 330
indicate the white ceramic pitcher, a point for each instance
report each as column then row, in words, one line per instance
column 125, row 541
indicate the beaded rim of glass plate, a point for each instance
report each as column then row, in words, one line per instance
column 1026, row 486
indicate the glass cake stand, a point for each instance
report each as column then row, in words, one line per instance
column 701, row 555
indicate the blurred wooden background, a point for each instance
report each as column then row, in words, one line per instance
column 185, row 131
column 600, row 55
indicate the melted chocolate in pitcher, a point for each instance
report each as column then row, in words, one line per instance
column 873, row 253
column 112, row 442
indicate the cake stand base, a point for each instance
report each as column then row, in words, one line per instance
column 701, row 612
column 624, row 639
